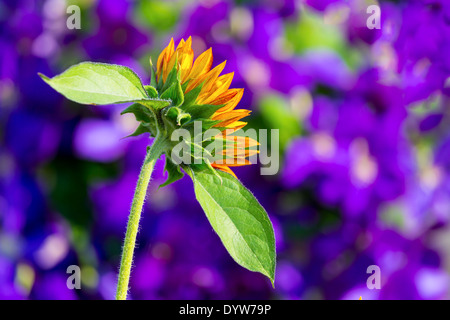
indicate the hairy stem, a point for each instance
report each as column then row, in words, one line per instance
column 135, row 213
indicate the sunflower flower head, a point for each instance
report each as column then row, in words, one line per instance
column 196, row 92
column 190, row 110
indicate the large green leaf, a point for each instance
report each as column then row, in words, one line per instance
column 240, row 221
column 98, row 83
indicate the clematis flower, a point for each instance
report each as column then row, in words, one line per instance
column 213, row 90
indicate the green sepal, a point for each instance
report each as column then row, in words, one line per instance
column 176, row 114
column 140, row 130
column 191, row 96
column 173, row 76
column 174, row 93
column 154, row 104
column 201, row 111
column 173, row 172
column 206, row 124
column 160, row 82
column 153, row 82
column 151, row 91
column 185, row 85
column 143, row 115
column 198, row 149
column 205, row 165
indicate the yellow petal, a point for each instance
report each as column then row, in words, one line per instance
column 219, row 86
column 230, row 98
column 234, row 114
column 201, row 66
column 210, row 78
column 159, row 63
column 237, row 162
column 164, row 58
column 207, row 79
column 235, row 126
column 237, row 152
column 186, row 57
column 223, row 168
column 241, row 142
column 180, row 45
column 170, row 65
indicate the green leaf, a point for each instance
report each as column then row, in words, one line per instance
column 173, row 171
column 98, row 83
column 240, row 221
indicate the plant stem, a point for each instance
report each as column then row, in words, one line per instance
column 153, row 154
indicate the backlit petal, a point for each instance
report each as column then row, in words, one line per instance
column 219, row 86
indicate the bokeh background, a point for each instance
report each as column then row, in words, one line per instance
column 364, row 150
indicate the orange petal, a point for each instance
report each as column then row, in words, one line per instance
column 237, row 162
column 219, row 86
column 238, row 152
column 226, row 96
column 201, row 65
column 170, row 64
column 186, row 59
column 207, row 79
column 241, row 142
column 223, row 168
column 210, row 78
column 232, row 128
column 180, row 45
column 228, row 118
column 237, row 125
column 159, row 63
column 230, row 98
column 164, row 58
column 231, row 114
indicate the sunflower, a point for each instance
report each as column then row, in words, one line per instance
column 215, row 91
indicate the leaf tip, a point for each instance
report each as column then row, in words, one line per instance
column 44, row 77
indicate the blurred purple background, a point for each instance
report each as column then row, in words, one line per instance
column 365, row 150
